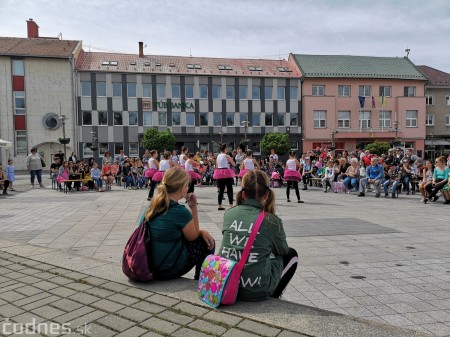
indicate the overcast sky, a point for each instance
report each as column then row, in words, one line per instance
column 244, row 28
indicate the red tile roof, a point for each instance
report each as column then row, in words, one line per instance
column 434, row 76
column 162, row 64
column 39, row 47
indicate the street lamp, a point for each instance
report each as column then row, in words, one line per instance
column 63, row 123
column 246, row 141
column 333, row 133
column 221, row 136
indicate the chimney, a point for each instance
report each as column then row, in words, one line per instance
column 33, row 29
column 141, row 49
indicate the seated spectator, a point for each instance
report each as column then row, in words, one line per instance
column 344, row 165
column 4, row 182
column 128, row 175
column 96, row 175
column 352, row 175
column 394, row 179
column 328, row 177
column 107, row 174
column 374, row 175
column 87, row 179
column 307, row 173
column 446, row 191
column 411, row 158
column 54, row 167
column 427, row 177
column 440, row 178
column 405, row 172
column 63, row 175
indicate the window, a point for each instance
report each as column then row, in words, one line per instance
column 176, row 91
column 176, row 118
column 117, row 89
column 131, row 89
column 385, row 91
column 101, row 89
column 117, row 148
column 146, row 90
column 344, row 119
column 87, row 152
column 365, row 91
column 230, row 118
column 411, row 118
column 320, row 119
column 18, row 68
column 428, row 99
column 385, row 119
column 256, row 119
column 162, row 118
column 85, row 88
column 87, row 117
column 132, row 118
column 102, row 118
column 133, row 150
column 447, row 100
column 409, row 91
column 318, row 90
column 118, row 118
column 429, row 119
column 281, row 119
column 243, row 117
column 364, row 119
column 102, row 148
column 281, row 92
column 256, row 92
column 293, row 119
column 217, row 119
column 230, row 91
column 343, row 90
column 267, row 92
column 148, row 118
column 203, row 118
column 242, row 92
column 216, row 91
column 160, row 90
column 190, row 119
column 293, row 92
column 21, row 142
column 19, row 102
column 268, row 119
column 203, row 91
column 189, row 90
column 447, row 120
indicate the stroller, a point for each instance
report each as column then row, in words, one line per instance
column 276, row 179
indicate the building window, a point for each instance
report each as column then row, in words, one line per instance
column 87, row 117
column 230, row 91
column 190, row 119
column 102, row 148
column 87, row 152
column 447, row 120
column 267, row 92
column 85, row 88
column 160, row 90
column 268, row 119
column 343, row 90
column 293, row 92
column 318, row 90
column 19, row 102
column 281, row 119
column 148, row 118
column 217, row 119
column 132, row 118
column 320, row 119
column 429, row 99
column 242, row 92
column 117, row 89
column 385, row 91
column 101, row 89
column 429, row 120
column 365, row 90
column 133, row 150
column 385, row 119
column 216, row 91
column 256, row 92
column 131, row 89
column 243, row 117
column 176, row 91
column 21, row 142
column 118, row 118
column 146, row 90
column 409, row 91
column 230, row 118
column 203, row 91
column 281, row 93
column 344, row 119
column 117, row 148
column 293, row 119
column 411, row 118
column 364, row 119
column 447, row 100
column 189, row 90
column 203, row 119
column 176, row 118
column 102, row 118
column 18, row 68
column 162, row 118
column 256, row 119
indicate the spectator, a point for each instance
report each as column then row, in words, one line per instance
column 238, row 159
column 120, row 157
column 61, row 156
column 96, row 175
column 4, row 182
column 440, row 178
column 73, row 157
column 147, row 156
column 107, row 174
column 10, row 174
column 352, row 175
column 394, row 178
column 107, row 159
column 34, row 164
column 398, row 156
column 405, row 174
column 390, row 160
column 273, row 156
column 410, row 157
column 307, row 172
column 427, row 178
column 54, row 167
column 328, row 177
column 175, row 158
column 374, row 175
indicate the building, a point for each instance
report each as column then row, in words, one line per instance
column 342, row 101
column 437, row 97
column 37, row 83
column 203, row 101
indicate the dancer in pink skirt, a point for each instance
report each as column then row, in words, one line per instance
column 189, row 167
column 292, row 175
column 153, row 166
column 249, row 163
column 183, row 156
column 224, row 175
column 165, row 164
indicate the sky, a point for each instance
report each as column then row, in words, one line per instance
column 244, row 28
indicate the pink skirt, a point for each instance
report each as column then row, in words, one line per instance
column 292, row 175
column 242, row 173
column 158, row 176
column 194, row 175
column 150, row 173
column 223, row 173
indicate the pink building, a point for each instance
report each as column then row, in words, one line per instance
column 351, row 101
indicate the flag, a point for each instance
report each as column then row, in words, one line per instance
column 362, row 100
column 373, row 102
column 383, row 100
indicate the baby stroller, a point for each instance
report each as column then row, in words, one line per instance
column 276, row 180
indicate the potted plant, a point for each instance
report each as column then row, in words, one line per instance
column 64, row 141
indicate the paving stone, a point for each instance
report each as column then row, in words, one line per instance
column 113, row 286
column 222, row 318
column 59, row 271
column 32, row 298
column 45, row 285
column 286, row 333
column 100, row 331
column 78, row 286
column 152, row 334
column 74, row 275
column 185, row 332
column 15, row 275
column 88, row 318
column 163, row 300
column 237, row 333
column 43, row 275
column 17, row 259
column 44, row 266
column 62, row 292
column 84, row 298
column 28, row 290
column 9, row 310
column 133, row 314
column 44, row 301
column 138, row 293
column 107, row 305
column 29, row 279
column 94, row 280
column 11, row 296
column 11, row 285
column 259, row 328
column 123, row 299
column 73, row 314
column 397, row 320
column 420, row 318
column 47, row 311
column 160, row 325
column 29, row 263
column 99, row 292
column 148, row 307
column 207, row 327
column 439, row 329
column 28, row 317
column 174, row 317
column 191, row 309
column 133, row 332
column 116, row 323
column 66, row 305
column 60, row 280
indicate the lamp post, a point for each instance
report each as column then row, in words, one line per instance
column 63, row 123
column 246, row 141
column 221, row 136
column 333, row 133
column 432, row 148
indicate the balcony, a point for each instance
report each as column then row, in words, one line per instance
column 367, row 133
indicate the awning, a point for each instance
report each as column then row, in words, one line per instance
column 5, row 143
column 437, row 142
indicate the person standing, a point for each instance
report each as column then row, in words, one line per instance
column 34, row 165
column 224, row 175
column 292, row 175
column 4, row 182
column 238, row 159
column 10, row 174
column 248, row 164
column 73, row 157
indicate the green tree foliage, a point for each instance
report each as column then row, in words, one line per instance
column 159, row 140
column 278, row 141
column 378, row 148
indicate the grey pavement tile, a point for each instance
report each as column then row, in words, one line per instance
column 60, row 280
column 99, row 292
column 84, row 298
column 381, row 309
column 161, row 326
column 28, row 290
column 100, row 331
column 148, row 307
column 40, row 302
column 94, row 280
column 163, row 300
column 345, row 302
column 47, row 311
column 78, row 286
column 87, row 318
column 152, row 334
column 258, row 328
column 115, row 323
column 441, row 304
column 286, row 333
column 133, row 314
column 107, row 305
column 420, row 318
column 358, row 311
column 138, row 293
column 29, row 279
column 11, row 296
column 237, row 333
column 440, row 316
column 222, row 318
column 439, row 329
column 10, row 310
column 123, row 299
column 186, row 332
column 132, row 332
column 62, row 292
column 174, row 317
column 190, row 309
column 45, row 285
column 397, row 320
column 43, row 275
column 114, row 286
column 66, row 305
column 207, row 327
column 70, row 316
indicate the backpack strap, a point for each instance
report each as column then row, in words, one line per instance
column 251, row 240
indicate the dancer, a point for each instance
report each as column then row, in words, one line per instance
column 153, row 166
column 165, row 164
column 249, row 163
column 189, row 167
column 224, row 175
column 183, row 156
column 292, row 176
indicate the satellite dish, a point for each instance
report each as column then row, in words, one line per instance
column 51, row 121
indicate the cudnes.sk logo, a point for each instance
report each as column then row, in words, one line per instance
column 48, row 328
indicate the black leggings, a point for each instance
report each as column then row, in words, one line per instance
column 306, row 178
column 437, row 187
column 228, row 183
column 294, row 185
column 197, row 252
column 290, row 261
column 153, row 184
column 191, row 186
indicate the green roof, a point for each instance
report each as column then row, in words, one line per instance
column 357, row 67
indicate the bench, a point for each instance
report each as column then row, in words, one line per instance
column 317, row 181
column 65, row 188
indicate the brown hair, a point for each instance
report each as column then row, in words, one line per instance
column 255, row 186
column 441, row 159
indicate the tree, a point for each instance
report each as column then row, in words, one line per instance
column 277, row 141
column 378, row 148
column 159, row 140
